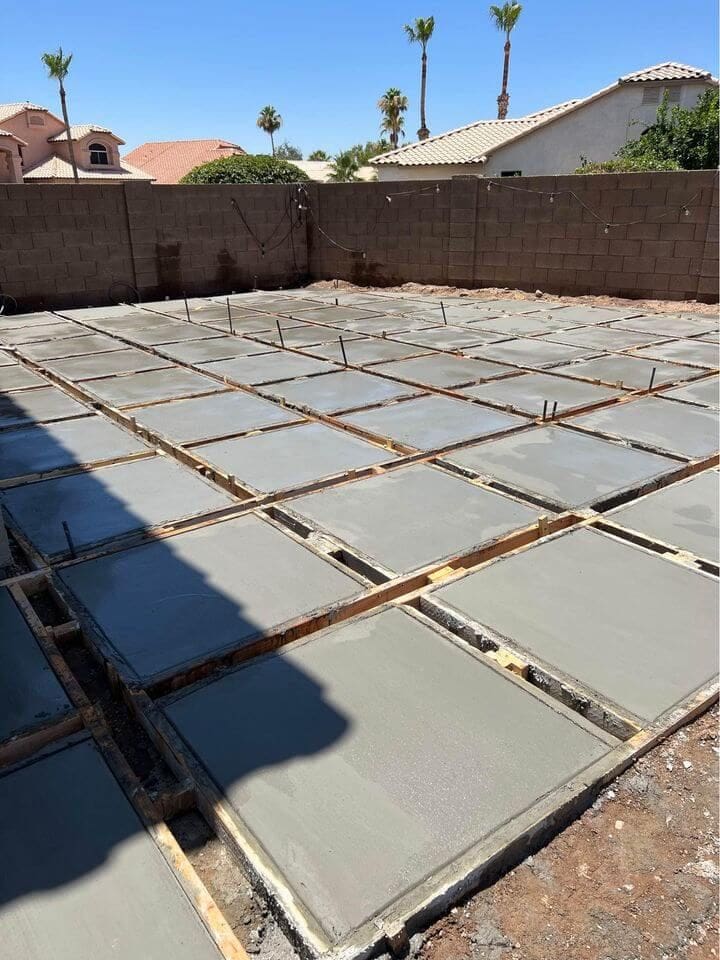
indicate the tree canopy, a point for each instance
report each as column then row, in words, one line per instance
column 243, row 168
column 682, row 138
column 288, row 151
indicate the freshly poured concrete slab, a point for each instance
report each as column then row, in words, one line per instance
column 527, row 352
column 412, row 517
column 110, row 502
column 334, row 392
column 138, row 320
column 6, row 359
column 639, row 630
column 367, row 351
column 244, row 321
column 93, row 314
column 459, row 313
column 40, row 406
column 98, row 365
column 529, row 392
column 219, row 348
column 335, row 314
column 151, row 386
column 562, row 467
column 430, row 422
column 450, row 338
column 194, row 595
column 81, row 878
column 17, row 377
column 584, row 314
column 282, row 459
column 46, row 331
column 671, row 427
column 217, row 415
column 386, row 324
column 71, row 347
column 30, row 693
column 70, row 443
column 169, row 332
column 299, row 337
column 522, row 326
column 25, row 320
column 668, row 326
column 607, row 338
column 684, row 515
column 704, row 392
column 511, row 306
column 439, row 370
column 345, row 771
column 631, row 372
column 684, row 351
column 282, row 304
column 268, row 367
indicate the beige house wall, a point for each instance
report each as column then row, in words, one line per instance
column 34, row 134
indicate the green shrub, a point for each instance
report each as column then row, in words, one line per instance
column 244, row 168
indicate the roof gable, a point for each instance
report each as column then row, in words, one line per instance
column 78, row 131
column 169, row 160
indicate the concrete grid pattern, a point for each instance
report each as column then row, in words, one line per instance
column 402, row 506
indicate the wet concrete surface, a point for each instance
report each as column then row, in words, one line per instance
column 669, row 326
column 280, row 459
column 632, row 372
column 46, row 331
column 532, row 353
column 440, row 370
column 585, row 314
column 636, row 628
column 217, row 415
column 17, row 377
column 71, row 347
column 678, row 428
column 332, row 314
column 563, row 467
column 81, row 878
column 168, row 603
column 303, row 336
column 455, row 339
column 602, row 337
column 430, row 422
column 522, row 325
column 168, row 332
column 99, row 365
column 219, row 348
column 412, row 517
column 269, row 367
column 38, row 406
column 684, row 351
column 530, row 391
column 345, row 772
column 151, row 386
column 334, row 392
column 705, row 392
column 684, row 515
column 30, row 693
column 365, row 351
column 109, row 502
column 57, row 445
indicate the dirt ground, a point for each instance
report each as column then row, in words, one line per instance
column 487, row 293
column 635, row 878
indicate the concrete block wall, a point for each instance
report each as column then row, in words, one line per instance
column 67, row 245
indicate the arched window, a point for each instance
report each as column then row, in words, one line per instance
column 99, row 154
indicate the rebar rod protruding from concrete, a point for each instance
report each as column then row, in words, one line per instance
column 554, row 410
column 337, row 302
column 652, row 378
column 442, row 307
column 230, row 323
column 71, row 545
column 342, row 347
column 187, row 308
column 544, row 409
column 280, row 333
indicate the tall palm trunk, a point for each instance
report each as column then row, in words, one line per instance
column 503, row 100
column 423, row 132
column 272, row 143
column 71, row 148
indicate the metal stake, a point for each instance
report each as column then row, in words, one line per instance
column 230, row 323
column 442, row 307
column 652, row 377
column 280, row 333
column 337, row 302
column 552, row 415
column 187, row 308
column 342, row 347
column 544, row 409
column 71, row 545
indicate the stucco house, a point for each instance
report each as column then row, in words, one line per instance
column 34, row 149
column 167, row 161
column 554, row 140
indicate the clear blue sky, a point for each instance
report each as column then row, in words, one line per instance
column 160, row 70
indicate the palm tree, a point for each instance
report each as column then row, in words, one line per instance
column 344, row 168
column 392, row 104
column 505, row 18
column 58, row 67
column 270, row 121
column 319, row 155
column 420, row 33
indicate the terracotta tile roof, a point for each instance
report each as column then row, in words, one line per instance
column 476, row 141
column 56, row 168
column 667, row 71
column 80, row 130
column 8, row 110
column 169, row 160
column 7, row 133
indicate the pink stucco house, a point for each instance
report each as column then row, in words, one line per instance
column 34, row 149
